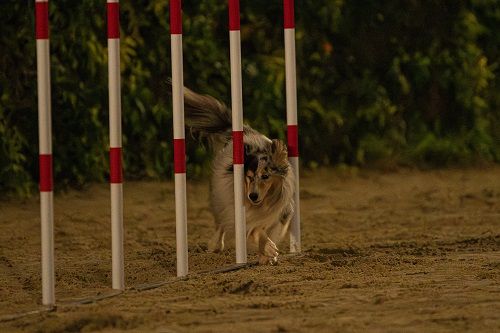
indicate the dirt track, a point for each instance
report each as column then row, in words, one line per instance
column 403, row 251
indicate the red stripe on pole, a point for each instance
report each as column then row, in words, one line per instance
column 115, row 166
column 179, row 156
column 289, row 16
column 175, row 17
column 113, row 9
column 293, row 140
column 42, row 20
column 234, row 15
column 238, row 154
column 45, row 162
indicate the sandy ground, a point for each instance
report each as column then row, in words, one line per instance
column 404, row 251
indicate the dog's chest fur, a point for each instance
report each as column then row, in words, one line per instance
column 266, row 215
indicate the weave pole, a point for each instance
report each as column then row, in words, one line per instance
column 237, row 120
column 115, row 144
column 291, row 116
column 45, row 150
column 179, row 137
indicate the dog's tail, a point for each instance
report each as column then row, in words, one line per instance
column 207, row 118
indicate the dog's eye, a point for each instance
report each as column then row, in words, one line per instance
column 264, row 177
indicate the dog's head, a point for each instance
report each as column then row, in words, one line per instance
column 265, row 169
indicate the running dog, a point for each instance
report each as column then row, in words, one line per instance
column 269, row 181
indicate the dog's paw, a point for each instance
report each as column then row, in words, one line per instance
column 269, row 253
column 216, row 243
column 265, row 260
column 216, row 246
column 270, row 249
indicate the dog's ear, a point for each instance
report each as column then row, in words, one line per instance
column 279, row 158
column 278, row 148
column 248, row 149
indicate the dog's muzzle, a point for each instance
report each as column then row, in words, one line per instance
column 253, row 197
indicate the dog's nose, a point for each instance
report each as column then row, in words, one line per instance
column 253, row 196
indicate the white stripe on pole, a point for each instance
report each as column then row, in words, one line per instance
column 181, row 224
column 44, row 103
column 118, row 274
column 295, row 243
column 236, row 85
column 44, row 99
column 115, row 143
column 291, row 77
column 238, row 169
column 291, row 115
column 239, row 213
column 45, row 152
column 115, row 125
column 179, row 135
column 47, row 230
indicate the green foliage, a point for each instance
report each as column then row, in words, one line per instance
column 412, row 80
column 12, row 161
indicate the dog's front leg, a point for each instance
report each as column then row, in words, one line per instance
column 268, row 251
column 216, row 243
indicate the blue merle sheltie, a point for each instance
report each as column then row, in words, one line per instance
column 269, row 180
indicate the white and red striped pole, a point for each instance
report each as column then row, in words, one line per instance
column 237, row 120
column 115, row 144
column 45, row 150
column 291, row 116
column 179, row 137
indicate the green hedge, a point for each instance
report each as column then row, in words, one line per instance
column 415, row 82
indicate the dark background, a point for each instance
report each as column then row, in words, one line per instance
column 412, row 83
